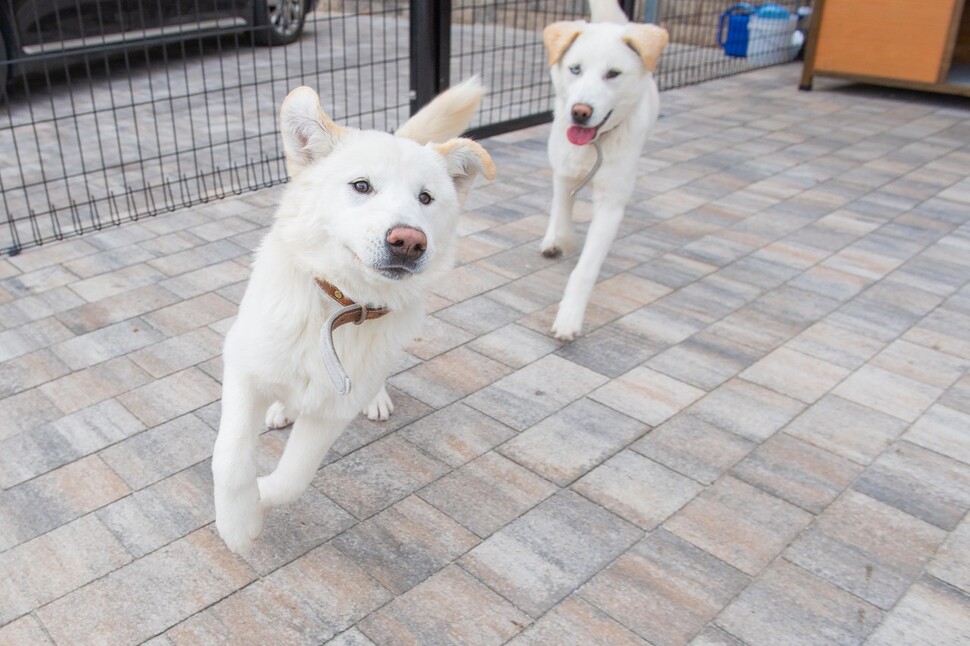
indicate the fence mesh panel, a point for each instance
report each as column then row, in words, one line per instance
column 181, row 110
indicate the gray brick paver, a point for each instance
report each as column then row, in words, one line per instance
column 760, row 436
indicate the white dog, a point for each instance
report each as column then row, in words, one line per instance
column 364, row 229
column 606, row 103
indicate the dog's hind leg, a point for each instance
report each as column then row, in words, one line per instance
column 381, row 407
column 582, row 280
column 306, row 447
column 276, row 416
column 560, row 235
column 239, row 517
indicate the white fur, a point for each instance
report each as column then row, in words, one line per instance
column 325, row 228
column 632, row 102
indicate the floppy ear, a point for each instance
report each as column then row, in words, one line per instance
column 648, row 41
column 464, row 159
column 308, row 133
column 558, row 36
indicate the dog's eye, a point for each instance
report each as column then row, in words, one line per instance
column 425, row 197
column 612, row 74
column 576, row 69
column 361, row 186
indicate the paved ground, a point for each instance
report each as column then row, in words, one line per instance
column 763, row 436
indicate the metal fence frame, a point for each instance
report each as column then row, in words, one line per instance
column 70, row 183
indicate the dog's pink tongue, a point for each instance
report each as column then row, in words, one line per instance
column 580, row 135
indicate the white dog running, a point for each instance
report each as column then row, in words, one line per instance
column 364, row 229
column 606, row 103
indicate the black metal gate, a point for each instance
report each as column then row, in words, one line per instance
column 117, row 110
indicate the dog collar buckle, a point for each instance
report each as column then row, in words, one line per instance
column 350, row 312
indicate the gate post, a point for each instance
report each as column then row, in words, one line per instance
column 430, row 28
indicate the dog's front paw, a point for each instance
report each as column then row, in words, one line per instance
column 381, row 407
column 556, row 245
column 239, row 517
column 276, row 416
column 568, row 323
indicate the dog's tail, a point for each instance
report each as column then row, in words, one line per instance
column 607, row 11
column 446, row 116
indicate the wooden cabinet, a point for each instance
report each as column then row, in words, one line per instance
column 920, row 44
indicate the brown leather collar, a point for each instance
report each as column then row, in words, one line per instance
column 365, row 314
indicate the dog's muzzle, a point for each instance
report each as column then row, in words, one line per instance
column 580, row 134
column 404, row 251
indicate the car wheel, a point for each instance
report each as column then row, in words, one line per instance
column 279, row 22
column 4, row 69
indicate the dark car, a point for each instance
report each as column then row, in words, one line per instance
column 33, row 32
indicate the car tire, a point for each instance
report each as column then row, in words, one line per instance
column 4, row 69
column 279, row 22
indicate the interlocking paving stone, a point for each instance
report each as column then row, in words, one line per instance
column 922, row 483
column 378, row 475
column 534, row 392
column 449, row 377
column 26, row 630
column 514, row 345
column 161, row 451
column 362, row 431
column 952, row 561
column 609, row 350
column 664, row 588
column 25, row 411
column 38, row 450
column 791, row 606
column 943, row 430
column 53, row 499
column 456, row 434
column 538, row 559
column 705, row 360
column 130, row 304
column 694, row 447
column 797, row 472
column 576, row 621
column 55, row 563
column 568, row 444
column 189, row 314
column 405, row 544
column 930, row 613
column 740, row 524
column 637, row 489
column 172, row 396
column 452, row 607
column 647, row 395
column 84, row 388
column 747, row 409
column 797, row 375
column 311, row 600
column 487, row 493
column 849, row 546
column 165, row 586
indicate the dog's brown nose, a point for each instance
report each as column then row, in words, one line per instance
column 407, row 243
column 581, row 113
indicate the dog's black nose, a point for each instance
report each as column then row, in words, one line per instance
column 407, row 243
column 581, row 113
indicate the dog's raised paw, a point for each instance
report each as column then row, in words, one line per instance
column 552, row 252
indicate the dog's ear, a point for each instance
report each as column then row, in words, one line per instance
column 465, row 159
column 648, row 41
column 558, row 36
column 308, row 133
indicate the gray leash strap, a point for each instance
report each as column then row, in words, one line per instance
column 589, row 175
column 335, row 369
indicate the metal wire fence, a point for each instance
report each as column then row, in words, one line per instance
column 112, row 116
